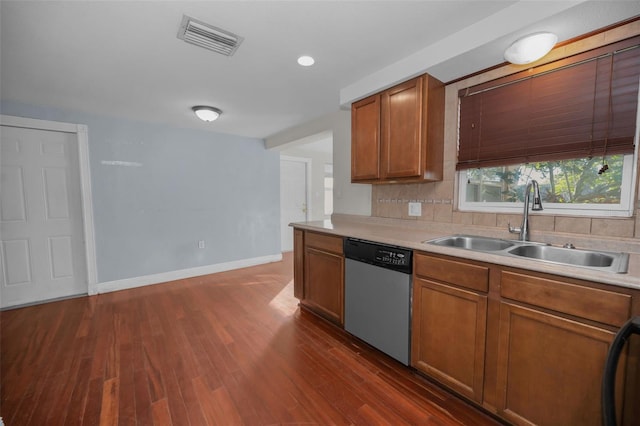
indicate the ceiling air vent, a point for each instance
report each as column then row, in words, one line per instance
column 207, row 36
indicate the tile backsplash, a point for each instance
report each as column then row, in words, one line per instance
column 391, row 201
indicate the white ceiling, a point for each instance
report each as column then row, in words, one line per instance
column 123, row 59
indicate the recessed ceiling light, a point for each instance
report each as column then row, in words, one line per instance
column 306, row 61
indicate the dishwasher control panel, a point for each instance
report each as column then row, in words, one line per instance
column 392, row 256
column 386, row 256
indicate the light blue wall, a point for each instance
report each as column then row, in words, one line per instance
column 193, row 185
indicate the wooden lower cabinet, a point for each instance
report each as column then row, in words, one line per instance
column 323, row 275
column 449, row 326
column 554, row 337
column 449, row 322
column 550, row 368
column 298, row 263
column 529, row 347
column 323, row 288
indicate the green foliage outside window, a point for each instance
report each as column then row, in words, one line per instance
column 564, row 182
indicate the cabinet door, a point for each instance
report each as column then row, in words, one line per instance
column 448, row 336
column 402, row 130
column 365, row 139
column 550, row 368
column 298, row 263
column 324, row 283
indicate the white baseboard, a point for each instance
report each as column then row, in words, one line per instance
column 128, row 283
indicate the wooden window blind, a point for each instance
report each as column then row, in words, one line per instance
column 581, row 106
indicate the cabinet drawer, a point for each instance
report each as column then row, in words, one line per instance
column 603, row 306
column 324, row 242
column 461, row 274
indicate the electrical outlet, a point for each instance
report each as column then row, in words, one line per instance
column 201, row 244
column 415, row 209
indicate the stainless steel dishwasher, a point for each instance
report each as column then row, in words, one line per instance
column 377, row 299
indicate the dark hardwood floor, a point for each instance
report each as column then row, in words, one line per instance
column 224, row 349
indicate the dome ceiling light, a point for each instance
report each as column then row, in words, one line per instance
column 306, row 61
column 530, row 48
column 206, row 113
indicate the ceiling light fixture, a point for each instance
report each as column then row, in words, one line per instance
column 206, row 113
column 306, row 61
column 530, row 48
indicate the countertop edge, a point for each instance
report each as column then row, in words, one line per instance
column 414, row 239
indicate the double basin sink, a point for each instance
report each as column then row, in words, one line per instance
column 596, row 260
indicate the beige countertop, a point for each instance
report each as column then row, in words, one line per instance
column 412, row 235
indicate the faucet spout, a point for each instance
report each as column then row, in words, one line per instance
column 523, row 230
column 537, row 202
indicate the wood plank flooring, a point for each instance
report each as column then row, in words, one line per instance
column 225, row 349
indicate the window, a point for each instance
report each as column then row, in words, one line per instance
column 566, row 186
column 571, row 125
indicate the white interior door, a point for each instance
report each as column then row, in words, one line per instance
column 41, row 223
column 294, row 205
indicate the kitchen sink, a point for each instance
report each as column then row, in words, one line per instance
column 592, row 259
column 472, row 242
column 617, row 262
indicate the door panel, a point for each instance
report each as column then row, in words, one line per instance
column 449, row 335
column 550, row 368
column 61, row 254
column 16, row 260
column 41, row 224
column 365, row 139
column 402, row 130
column 293, row 198
column 13, row 188
column 56, row 197
column 324, row 283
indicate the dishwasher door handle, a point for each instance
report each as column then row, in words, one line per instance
column 611, row 365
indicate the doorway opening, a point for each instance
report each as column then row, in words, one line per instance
column 316, row 152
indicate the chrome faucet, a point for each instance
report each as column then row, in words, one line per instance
column 523, row 230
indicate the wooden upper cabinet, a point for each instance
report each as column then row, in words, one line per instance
column 365, row 139
column 398, row 135
column 402, row 130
